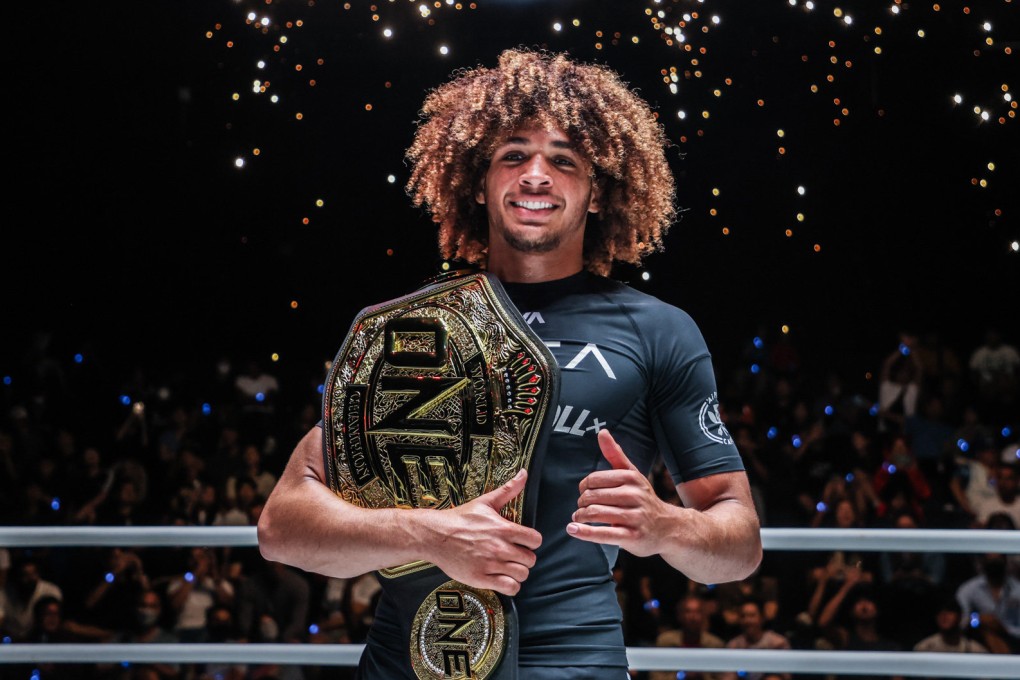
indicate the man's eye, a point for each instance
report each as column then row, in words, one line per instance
column 513, row 156
column 565, row 161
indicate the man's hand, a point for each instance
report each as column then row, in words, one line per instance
column 477, row 546
column 623, row 499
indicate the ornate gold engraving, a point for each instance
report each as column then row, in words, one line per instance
column 459, row 631
column 434, row 400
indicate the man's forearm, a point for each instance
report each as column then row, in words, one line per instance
column 719, row 544
column 309, row 527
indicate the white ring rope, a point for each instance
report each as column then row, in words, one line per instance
column 922, row 664
column 892, row 540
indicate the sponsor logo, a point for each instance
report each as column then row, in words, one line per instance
column 711, row 422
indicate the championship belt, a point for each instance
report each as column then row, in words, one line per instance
column 434, row 399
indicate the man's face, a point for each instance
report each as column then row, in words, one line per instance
column 691, row 616
column 538, row 190
column 864, row 611
column 947, row 620
column 750, row 618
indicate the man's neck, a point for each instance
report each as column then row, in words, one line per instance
column 513, row 266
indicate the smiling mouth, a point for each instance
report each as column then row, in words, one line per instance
column 533, row 205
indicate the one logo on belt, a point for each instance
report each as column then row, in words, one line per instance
column 711, row 422
column 457, row 633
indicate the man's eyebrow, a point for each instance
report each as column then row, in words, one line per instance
column 558, row 144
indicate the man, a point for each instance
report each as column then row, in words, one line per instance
column 545, row 172
column 691, row 635
column 992, row 601
column 1006, row 499
column 754, row 635
column 949, row 637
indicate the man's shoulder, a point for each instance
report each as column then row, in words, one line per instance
column 655, row 317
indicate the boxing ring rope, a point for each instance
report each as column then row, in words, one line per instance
column 892, row 540
column 907, row 664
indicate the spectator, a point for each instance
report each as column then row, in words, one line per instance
column 148, row 612
column 949, row 637
column 1005, row 500
column 692, row 634
column 992, row 599
column 754, row 635
column 252, row 469
column 900, row 385
column 196, row 591
column 995, row 367
column 971, row 484
column 900, row 483
column 22, row 595
column 110, row 602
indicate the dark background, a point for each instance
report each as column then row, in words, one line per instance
column 132, row 238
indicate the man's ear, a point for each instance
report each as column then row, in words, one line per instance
column 595, row 202
column 480, row 192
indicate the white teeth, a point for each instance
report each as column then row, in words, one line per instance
column 533, row 205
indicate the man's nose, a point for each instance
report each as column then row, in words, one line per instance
column 536, row 172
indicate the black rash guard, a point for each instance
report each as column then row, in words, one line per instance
column 639, row 367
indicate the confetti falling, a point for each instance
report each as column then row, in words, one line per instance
column 895, row 118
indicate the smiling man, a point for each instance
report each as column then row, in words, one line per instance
column 545, row 172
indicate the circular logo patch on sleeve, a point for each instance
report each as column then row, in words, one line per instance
column 711, row 422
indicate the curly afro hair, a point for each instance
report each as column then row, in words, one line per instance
column 463, row 121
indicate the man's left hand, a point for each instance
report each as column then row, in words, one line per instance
column 624, row 501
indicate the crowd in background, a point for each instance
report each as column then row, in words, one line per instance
column 931, row 442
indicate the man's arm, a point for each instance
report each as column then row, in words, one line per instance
column 713, row 539
column 306, row 525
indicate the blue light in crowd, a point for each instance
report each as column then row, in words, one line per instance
column 109, row 577
column 873, row 410
column 320, row 389
column 651, row 604
column 1006, row 431
column 758, row 342
column 892, row 469
column 741, row 674
column 125, row 664
column 260, row 397
column 206, row 409
column 829, row 410
column 680, row 675
column 35, row 674
column 904, row 350
column 313, row 629
column 710, row 586
column 975, row 619
column 7, row 639
column 755, row 368
column 962, row 445
column 125, row 399
column 189, row 577
column 55, row 504
column 771, row 434
column 849, row 477
column 78, row 358
column 821, row 507
column 7, row 380
column 796, row 441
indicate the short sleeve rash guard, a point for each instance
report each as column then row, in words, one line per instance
column 639, row 367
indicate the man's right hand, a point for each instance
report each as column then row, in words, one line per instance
column 477, row 546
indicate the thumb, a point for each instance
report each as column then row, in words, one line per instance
column 613, row 453
column 499, row 497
